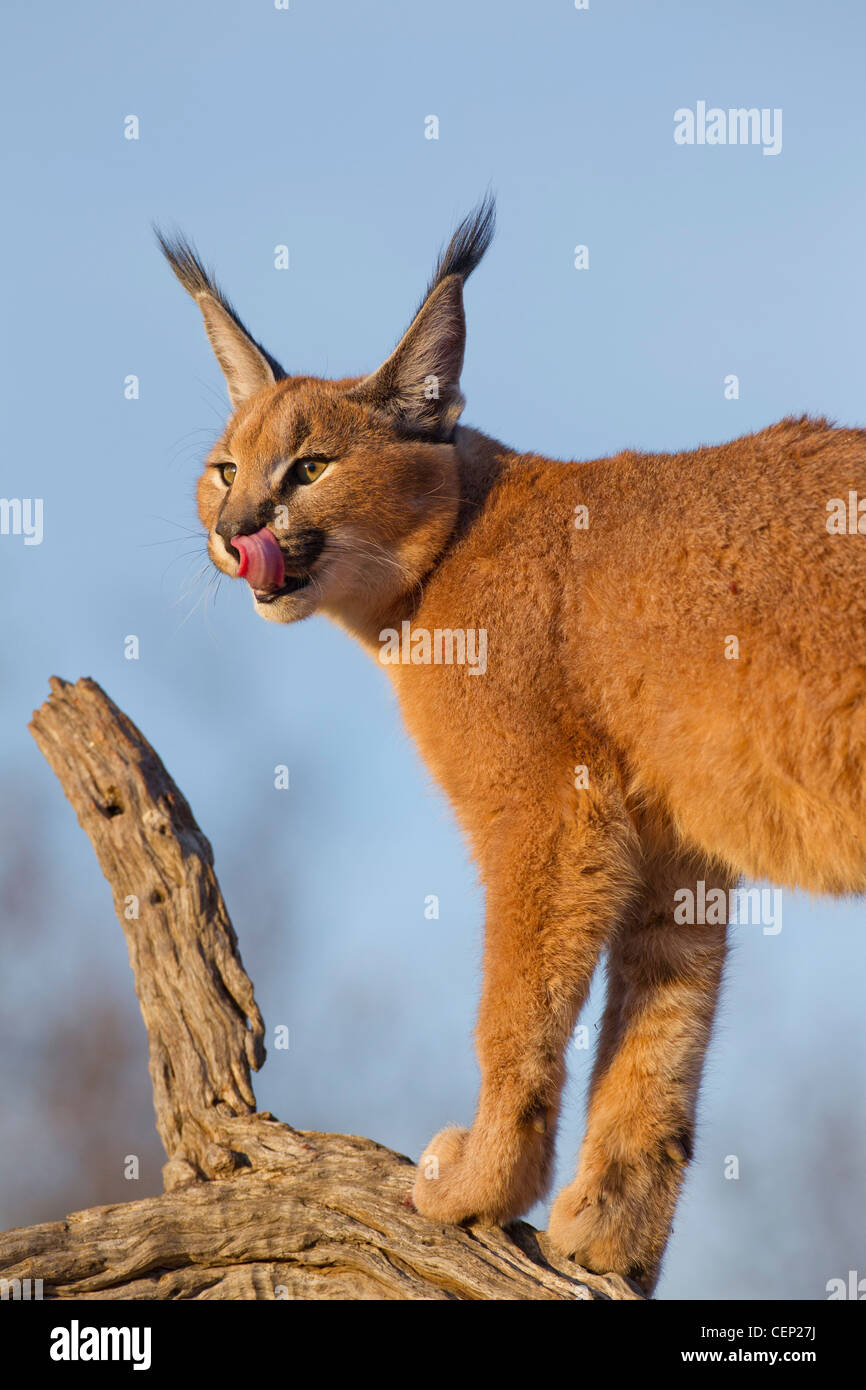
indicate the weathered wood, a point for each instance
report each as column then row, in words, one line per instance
column 252, row 1208
column 204, row 1028
column 333, row 1226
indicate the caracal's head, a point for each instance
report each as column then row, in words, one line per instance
column 336, row 495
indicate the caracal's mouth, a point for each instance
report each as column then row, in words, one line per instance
column 263, row 566
column 292, row 585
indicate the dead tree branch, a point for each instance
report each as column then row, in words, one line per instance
column 252, row 1208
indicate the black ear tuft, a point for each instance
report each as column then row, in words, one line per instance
column 188, row 266
column 198, row 280
column 467, row 245
column 418, row 386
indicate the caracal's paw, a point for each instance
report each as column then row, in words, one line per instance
column 442, row 1190
column 461, row 1177
column 597, row 1234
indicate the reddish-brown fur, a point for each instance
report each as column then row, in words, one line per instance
column 608, row 648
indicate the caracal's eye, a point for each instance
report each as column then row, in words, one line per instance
column 309, row 470
column 228, row 472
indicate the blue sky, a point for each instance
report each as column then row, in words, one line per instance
column 260, row 128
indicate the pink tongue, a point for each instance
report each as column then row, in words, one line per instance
column 261, row 560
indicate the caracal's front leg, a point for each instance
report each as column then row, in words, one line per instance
column 554, row 893
column 663, row 983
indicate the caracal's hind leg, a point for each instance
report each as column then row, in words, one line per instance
column 663, row 983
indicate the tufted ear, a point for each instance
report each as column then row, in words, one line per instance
column 419, row 384
column 245, row 365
